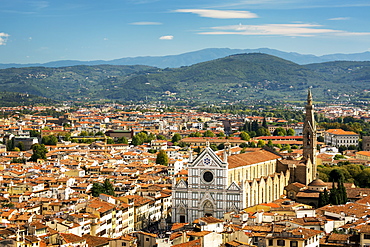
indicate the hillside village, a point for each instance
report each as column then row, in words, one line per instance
column 95, row 187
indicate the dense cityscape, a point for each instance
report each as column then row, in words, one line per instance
column 151, row 175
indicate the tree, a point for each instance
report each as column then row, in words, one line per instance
column 10, row 144
column 84, row 133
column 139, row 138
column 290, row 132
column 122, row 140
column 208, row 133
column 213, row 147
column 21, row 146
column 34, row 133
column 67, row 137
column 161, row 137
column 162, row 158
column 244, row 136
column 334, row 196
column 342, row 148
column 336, row 175
column 99, row 133
column 221, row 134
column 363, row 179
column 110, row 141
column 176, row 138
column 261, row 143
column 97, row 189
column 280, row 132
column 39, row 152
column 269, row 144
column 49, row 140
column 195, row 134
column 320, row 139
column 263, row 132
column 264, row 123
column 108, row 187
column 342, row 193
column 102, row 188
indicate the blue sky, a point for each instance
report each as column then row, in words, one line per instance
column 33, row 31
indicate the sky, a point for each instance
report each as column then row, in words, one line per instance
column 38, row 31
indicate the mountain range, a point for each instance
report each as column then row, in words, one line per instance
column 247, row 77
column 190, row 58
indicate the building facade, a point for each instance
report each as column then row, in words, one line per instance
column 339, row 137
column 206, row 192
column 217, row 185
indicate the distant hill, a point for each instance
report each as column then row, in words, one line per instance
column 190, row 58
column 9, row 99
column 236, row 78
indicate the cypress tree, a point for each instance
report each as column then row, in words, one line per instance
column 342, row 192
column 334, row 195
column 326, row 198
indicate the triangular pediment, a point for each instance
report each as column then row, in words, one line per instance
column 234, row 186
column 207, row 159
column 182, row 184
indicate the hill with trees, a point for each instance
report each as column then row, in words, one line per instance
column 236, row 78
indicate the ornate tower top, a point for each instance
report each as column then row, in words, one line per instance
column 309, row 97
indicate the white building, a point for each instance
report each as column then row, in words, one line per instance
column 339, row 137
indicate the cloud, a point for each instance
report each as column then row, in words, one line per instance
column 3, row 38
column 339, row 19
column 145, row 23
column 168, row 37
column 105, row 39
column 39, row 4
column 219, row 14
column 294, row 30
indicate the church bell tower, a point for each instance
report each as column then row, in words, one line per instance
column 309, row 136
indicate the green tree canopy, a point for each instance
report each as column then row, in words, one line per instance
column 162, row 158
column 176, row 138
column 208, row 133
column 244, row 136
column 39, row 152
column 290, row 132
column 102, row 188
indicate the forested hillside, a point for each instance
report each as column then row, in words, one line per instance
column 242, row 77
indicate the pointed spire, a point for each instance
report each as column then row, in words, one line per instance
column 309, row 97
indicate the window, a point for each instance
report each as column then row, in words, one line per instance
column 271, row 242
column 123, row 244
column 281, row 242
column 293, row 243
column 366, row 236
column 147, row 239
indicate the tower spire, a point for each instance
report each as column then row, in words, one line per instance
column 309, row 137
column 309, row 97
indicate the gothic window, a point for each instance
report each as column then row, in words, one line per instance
column 308, row 138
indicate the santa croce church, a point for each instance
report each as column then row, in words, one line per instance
column 217, row 184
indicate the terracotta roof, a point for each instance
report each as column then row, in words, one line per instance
column 250, row 158
column 196, row 242
column 341, row 132
column 338, row 237
column 94, row 241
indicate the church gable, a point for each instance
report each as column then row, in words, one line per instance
column 234, row 186
column 207, row 159
column 181, row 184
